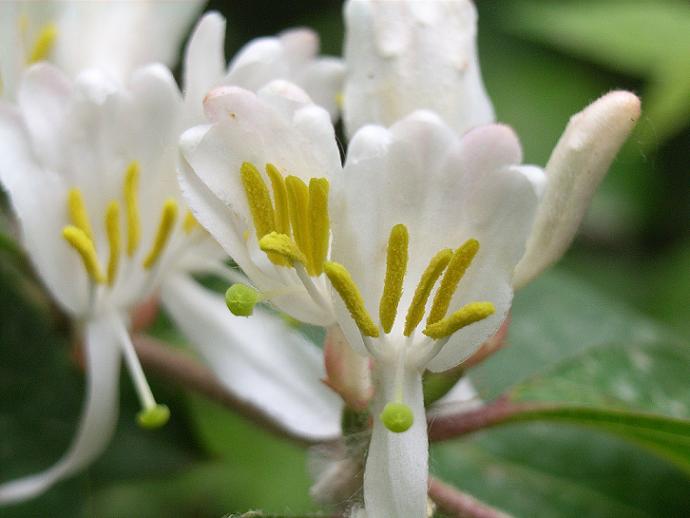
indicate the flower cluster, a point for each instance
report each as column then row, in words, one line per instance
column 408, row 251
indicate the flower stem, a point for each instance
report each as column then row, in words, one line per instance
column 454, row 502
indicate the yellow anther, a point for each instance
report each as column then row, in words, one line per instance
column 189, row 223
column 468, row 314
column 78, row 213
column 298, row 202
column 112, row 227
column 258, row 199
column 165, row 227
column 44, row 43
column 282, row 246
column 396, row 266
column 347, row 289
column 415, row 312
column 78, row 239
column 319, row 223
column 131, row 187
column 461, row 260
column 280, row 201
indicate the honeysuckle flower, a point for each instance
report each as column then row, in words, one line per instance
column 115, row 36
column 256, row 177
column 419, row 213
column 291, row 55
column 408, row 55
column 90, row 168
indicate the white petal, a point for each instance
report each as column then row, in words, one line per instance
column 121, row 36
column 291, row 56
column 259, row 359
column 98, row 420
column 43, row 97
column 219, row 219
column 323, row 80
column 204, row 64
column 396, row 472
column 577, row 165
column 407, row 55
column 38, row 198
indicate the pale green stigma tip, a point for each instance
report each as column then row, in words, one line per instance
column 241, row 299
column 397, row 417
column 154, row 417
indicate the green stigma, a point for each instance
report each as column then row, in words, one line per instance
column 154, row 417
column 241, row 299
column 397, row 417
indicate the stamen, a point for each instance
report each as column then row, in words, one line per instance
column 189, row 222
column 112, row 227
column 130, row 193
column 396, row 267
column 461, row 260
column 84, row 246
column 282, row 216
column 241, row 299
column 415, row 312
column 319, row 223
column 468, row 314
column 165, row 227
column 397, row 417
column 259, row 200
column 78, row 213
column 347, row 289
column 152, row 415
column 283, row 246
column 44, row 43
column 298, row 202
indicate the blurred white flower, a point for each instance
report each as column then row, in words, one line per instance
column 90, row 168
column 292, row 55
column 408, row 55
column 115, row 36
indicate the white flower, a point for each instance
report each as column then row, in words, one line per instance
column 259, row 171
column 292, row 56
column 463, row 206
column 115, row 36
column 420, row 214
column 90, row 168
column 408, row 55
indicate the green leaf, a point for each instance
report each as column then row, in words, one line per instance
column 644, row 38
column 261, row 471
column 638, row 392
column 552, row 470
column 555, row 318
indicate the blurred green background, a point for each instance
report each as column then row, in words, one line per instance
column 623, row 288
